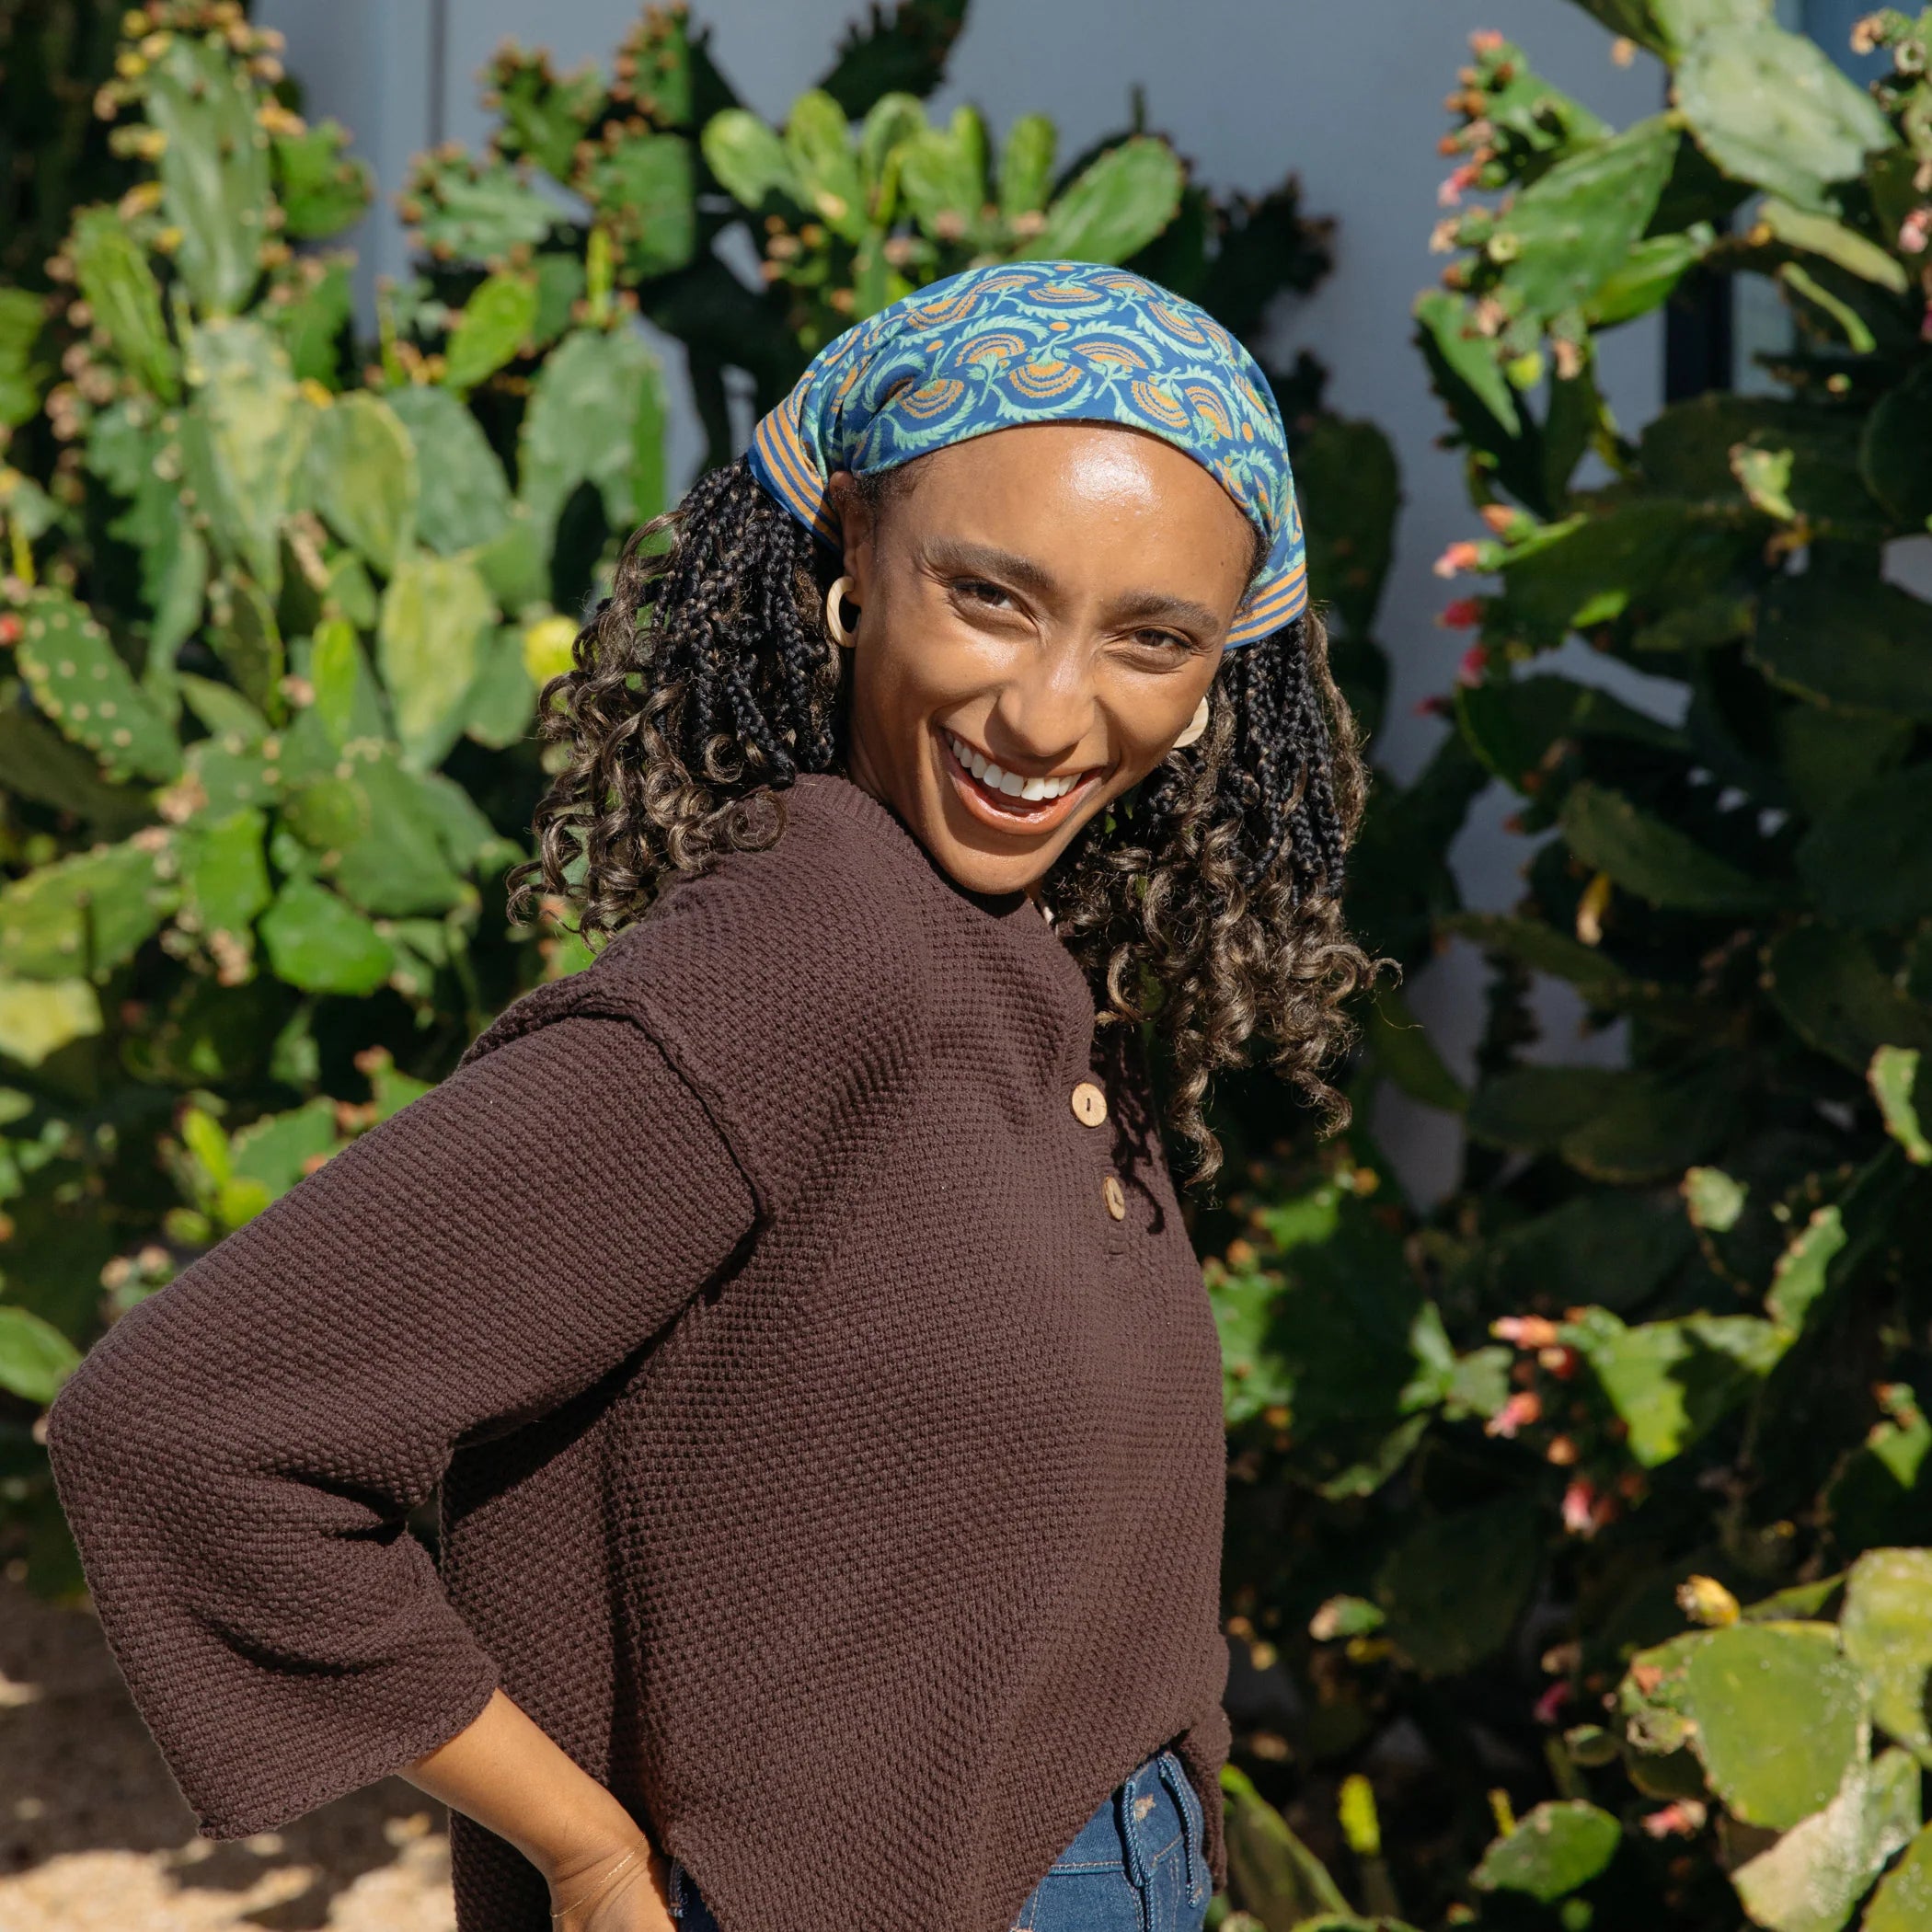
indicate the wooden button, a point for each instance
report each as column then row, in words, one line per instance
column 1089, row 1104
column 1115, row 1195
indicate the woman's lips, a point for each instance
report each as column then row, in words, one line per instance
column 983, row 787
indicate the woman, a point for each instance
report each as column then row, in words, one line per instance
column 794, row 1305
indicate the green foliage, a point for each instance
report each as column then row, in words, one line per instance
column 270, row 592
column 857, row 215
column 1676, row 1328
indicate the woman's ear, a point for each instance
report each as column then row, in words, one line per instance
column 857, row 528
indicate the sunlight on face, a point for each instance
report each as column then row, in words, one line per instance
column 1039, row 610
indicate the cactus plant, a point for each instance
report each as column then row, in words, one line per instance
column 1670, row 1309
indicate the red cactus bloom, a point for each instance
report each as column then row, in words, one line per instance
column 1465, row 614
column 1550, row 1705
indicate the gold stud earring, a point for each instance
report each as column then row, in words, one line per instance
column 834, row 623
column 1196, row 726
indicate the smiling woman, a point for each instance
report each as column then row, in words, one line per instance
column 794, row 1306
column 1054, row 516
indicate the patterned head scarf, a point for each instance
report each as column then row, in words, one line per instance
column 1043, row 342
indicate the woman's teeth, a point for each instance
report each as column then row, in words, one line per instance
column 1027, row 790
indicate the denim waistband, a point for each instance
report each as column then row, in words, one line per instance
column 1152, row 1809
column 1152, row 1813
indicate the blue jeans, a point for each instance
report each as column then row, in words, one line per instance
column 1137, row 1865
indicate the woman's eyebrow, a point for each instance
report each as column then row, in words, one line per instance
column 1178, row 611
column 957, row 555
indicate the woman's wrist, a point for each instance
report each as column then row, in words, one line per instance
column 583, row 1866
column 506, row 1773
column 593, row 1877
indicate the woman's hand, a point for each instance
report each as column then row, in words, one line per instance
column 621, row 1891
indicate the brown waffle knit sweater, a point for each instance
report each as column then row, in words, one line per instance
column 825, row 1465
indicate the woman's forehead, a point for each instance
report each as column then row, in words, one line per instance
column 1062, row 471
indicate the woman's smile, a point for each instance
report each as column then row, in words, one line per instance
column 1012, row 801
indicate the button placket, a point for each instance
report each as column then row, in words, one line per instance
column 1087, row 1098
column 1088, row 1101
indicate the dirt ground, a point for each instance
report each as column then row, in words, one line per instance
column 94, row 1838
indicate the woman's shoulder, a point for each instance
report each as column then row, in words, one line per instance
column 777, row 979
column 837, row 890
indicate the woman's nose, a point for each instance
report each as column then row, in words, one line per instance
column 1043, row 717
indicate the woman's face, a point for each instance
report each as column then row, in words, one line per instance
column 1046, row 603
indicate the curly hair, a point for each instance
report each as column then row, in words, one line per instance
column 1207, row 901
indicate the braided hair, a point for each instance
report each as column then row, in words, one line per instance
column 1207, row 901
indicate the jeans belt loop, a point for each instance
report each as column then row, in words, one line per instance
column 1185, row 1799
column 1137, row 1871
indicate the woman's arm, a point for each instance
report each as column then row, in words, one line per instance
column 506, row 1772
column 239, row 1455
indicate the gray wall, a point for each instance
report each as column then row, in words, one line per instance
column 1348, row 94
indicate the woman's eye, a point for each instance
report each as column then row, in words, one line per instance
column 1164, row 640
column 976, row 590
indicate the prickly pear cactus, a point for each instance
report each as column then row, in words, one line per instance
column 272, row 587
column 80, row 682
column 1585, row 1511
column 855, row 216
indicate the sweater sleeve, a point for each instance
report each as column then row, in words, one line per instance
column 238, row 1454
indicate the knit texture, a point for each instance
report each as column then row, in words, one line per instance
column 824, row 1466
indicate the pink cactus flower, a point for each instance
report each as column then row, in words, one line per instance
column 1522, row 1408
column 1581, row 1505
column 1526, row 1331
column 1683, row 1820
